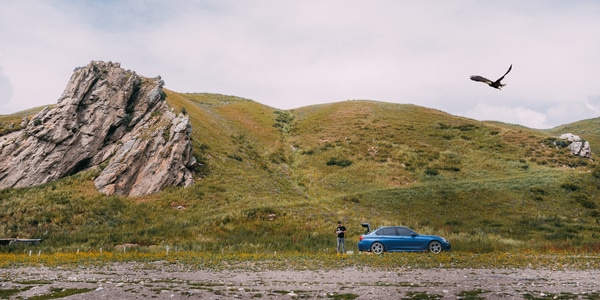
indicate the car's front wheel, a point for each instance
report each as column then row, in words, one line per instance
column 377, row 248
column 435, row 247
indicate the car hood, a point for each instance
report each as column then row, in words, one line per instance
column 433, row 237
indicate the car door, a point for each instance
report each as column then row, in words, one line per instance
column 410, row 240
column 389, row 237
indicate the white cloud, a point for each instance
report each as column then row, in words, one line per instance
column 514, row 115
column 567, row 112
column 593, row 104
column 543, row 118
column 6, row 90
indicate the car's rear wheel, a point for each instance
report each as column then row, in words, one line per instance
column 377, row 248
column 435, row 247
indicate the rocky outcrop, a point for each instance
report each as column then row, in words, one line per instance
column 108, row 117
column 577, row 145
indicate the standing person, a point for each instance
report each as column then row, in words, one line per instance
column 340, row 231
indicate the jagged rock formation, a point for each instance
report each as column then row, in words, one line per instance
column 106, row 116
column 577, row 145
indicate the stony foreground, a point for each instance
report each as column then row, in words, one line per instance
column 158, row 281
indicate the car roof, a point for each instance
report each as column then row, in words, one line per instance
column 393, row 227
column 382, row 227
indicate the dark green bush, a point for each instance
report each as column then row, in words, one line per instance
column 538, row 190
column 569, row 186
column 342, row 162
column 431, row 172
column 584, row 201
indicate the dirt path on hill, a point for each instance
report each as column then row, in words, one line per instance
column 160, row 281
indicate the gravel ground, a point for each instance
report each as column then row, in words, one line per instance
column 160, row 281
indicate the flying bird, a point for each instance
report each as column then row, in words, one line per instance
column 495, row 84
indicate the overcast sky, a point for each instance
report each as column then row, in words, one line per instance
column 293, row 53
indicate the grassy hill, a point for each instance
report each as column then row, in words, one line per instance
column 279, row 180
column 588, row 130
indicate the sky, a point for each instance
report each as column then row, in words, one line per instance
column 293, row 53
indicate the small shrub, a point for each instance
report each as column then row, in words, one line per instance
column 443, row 126
column 278, row 156
column 584, row 201
column 454, row 223
column 236, row 157
column 550, row 142
column 309, row 152
column 260, row 213
column 538, row 190
column 342, row 162
column 561, row 144
column 596, row 171
column 353, row 199
column 466, row 127
column 283, row 117
column 560, row 235
column 327, row 145
column 569, row 186
column 431, row 172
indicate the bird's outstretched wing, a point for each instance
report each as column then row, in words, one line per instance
column 500, row 79
column 481, row 79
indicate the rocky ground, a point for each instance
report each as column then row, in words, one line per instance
column 159, row 281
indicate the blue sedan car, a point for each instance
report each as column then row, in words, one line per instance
column 400, row 239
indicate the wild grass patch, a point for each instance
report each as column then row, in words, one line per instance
column 318, row 260
column 9, row 293
column 421, row 295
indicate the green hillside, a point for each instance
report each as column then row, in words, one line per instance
column 279, row 180
column 588, row 130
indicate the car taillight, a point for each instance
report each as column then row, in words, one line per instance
column 362, row 237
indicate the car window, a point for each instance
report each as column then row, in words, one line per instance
column 402, row 231
column 387, row 231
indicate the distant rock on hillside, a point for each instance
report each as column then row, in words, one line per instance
column 108, row 117
column 577, row 145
